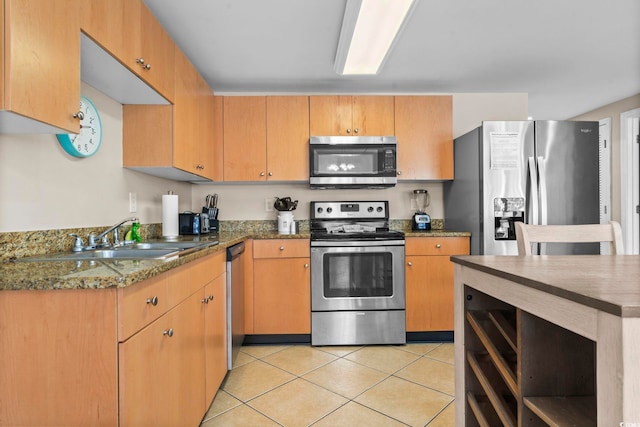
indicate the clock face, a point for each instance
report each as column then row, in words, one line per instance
column 87, row 142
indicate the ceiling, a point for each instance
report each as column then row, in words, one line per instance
column 570, row 56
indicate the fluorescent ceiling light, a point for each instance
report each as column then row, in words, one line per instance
column 369, row 31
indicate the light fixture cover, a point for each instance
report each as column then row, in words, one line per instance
column 369, row 31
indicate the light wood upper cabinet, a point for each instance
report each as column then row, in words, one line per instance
column 424, row 129
column 148, row 49
column 217, row 138
column 429, row 281
column 41, row 58
column 351, row 115
column 174, row 141
column 287, row 138
column 245, row 138
column 103, row 21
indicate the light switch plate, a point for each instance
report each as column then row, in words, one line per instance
column 268, row 205
column 133, row 203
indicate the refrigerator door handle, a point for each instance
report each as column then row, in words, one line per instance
column 533, row 192
column 543, row 191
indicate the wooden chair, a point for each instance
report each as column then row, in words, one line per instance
column 584, row 233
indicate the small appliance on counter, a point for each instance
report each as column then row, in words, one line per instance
column 190, row 223
column 421, row 220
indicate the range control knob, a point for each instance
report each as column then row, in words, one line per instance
column 379, row 209
column 329, row 209
column 370, row 209
column 320, row 210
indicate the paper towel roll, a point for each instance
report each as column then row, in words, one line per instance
column 170, row 215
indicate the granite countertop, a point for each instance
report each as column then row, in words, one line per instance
column 102, row 274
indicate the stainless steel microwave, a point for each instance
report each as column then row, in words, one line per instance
column 352, row 161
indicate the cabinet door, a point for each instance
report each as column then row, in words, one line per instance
column 330, row 115
column 429, row 293
column 206, row 148
column 217, row 139
column 103, row 21
column 186, row 116
column 148, row 49
column 373, row 115
column 215, row 335
column 245, row 138
column 281, row 296
column 424, row 129
column 287, row 138
column 42, row 60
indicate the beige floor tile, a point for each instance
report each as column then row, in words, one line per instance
column 446, row 418
column 260, row 351
column 241, row 416
column 444, row 352
column 339, row 351
column 430, row 373
column 353, row 414
column 297, row 403
column 299, row 359
column 419, row 348
column 383, row 358
column 221, row 403
column 345, row 377
column 253, row 379
column 242, row 359
column 405, row 401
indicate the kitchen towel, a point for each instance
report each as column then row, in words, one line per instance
column 170, row 215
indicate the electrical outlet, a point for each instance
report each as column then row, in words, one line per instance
column 268, row 205
column 133, row 203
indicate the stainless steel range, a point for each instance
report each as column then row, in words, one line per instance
column 357, row 275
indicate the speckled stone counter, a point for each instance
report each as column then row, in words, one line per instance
column 121, row 273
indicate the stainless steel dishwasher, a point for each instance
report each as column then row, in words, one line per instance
column 235, row 301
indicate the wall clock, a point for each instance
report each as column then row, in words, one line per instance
column 87, row 142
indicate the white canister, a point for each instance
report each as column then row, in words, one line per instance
column 285, row 219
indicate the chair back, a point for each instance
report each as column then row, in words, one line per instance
column 526, row 234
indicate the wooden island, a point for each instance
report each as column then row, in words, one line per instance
column 547, row 340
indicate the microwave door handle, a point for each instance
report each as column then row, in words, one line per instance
column 532, row 199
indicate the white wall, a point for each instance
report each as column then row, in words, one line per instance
column 42, row 187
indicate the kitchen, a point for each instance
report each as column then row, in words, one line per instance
column 94, row 192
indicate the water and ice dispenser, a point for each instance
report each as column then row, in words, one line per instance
column 506, row 211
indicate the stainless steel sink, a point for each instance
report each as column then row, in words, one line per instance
column 147, row 250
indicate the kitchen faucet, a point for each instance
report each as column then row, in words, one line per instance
column 103, row 237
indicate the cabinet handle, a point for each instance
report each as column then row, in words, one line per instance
column 152, row 301
column 205, row 300
column 270, row 173
column 356, row 130
column 261, row 173
column 438, row 245
column 399, row 173
column 140, row 61
column 78, row 115
column 409, row 263
column 306, row 265
column 168, row 332
column 348, row 130
column 210, row 297
column 282, row 248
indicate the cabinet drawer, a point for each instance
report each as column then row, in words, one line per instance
column 140, row 304
column 281, row 248
column 187, row 279
column 437, row 246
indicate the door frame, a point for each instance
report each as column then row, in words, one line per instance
column 629, row 180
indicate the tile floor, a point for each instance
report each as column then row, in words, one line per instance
column 300, row 385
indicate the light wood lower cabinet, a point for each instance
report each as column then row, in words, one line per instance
column 153, row 353
column 281, row 287
column 429, row 281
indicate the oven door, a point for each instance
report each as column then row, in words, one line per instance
column 365, row 276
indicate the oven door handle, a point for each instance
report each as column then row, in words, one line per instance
column 354, row 243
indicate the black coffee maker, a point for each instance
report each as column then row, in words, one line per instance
column 421, row 220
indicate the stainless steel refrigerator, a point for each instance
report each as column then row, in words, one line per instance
column 539, row 172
